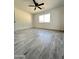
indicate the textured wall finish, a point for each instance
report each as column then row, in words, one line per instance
column 56, row 19
column 23, row 19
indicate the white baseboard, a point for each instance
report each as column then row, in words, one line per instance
column 21, row 28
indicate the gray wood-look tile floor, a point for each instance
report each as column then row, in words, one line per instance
column 38, row 44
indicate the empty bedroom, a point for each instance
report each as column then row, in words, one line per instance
column 38, row 29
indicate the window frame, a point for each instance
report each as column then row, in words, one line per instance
column 43, row 15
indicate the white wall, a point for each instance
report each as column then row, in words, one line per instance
column 23, row 19
column 56, row 21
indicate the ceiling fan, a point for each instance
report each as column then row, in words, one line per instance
column 36, row 5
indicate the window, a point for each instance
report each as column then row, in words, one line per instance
column 44, row 18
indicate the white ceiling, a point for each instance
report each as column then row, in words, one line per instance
column 48, row 4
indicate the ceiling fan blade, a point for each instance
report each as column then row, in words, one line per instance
column 35, row 8
column 34, row 1
column 31, row 5
column 40, row 4
column 39, row 7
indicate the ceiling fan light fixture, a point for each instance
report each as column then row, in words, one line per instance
column 36, row 5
